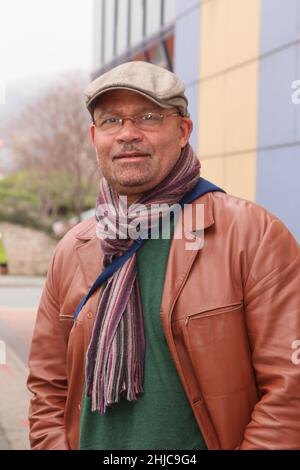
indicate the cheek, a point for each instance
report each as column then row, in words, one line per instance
column 169, row 153
column 102, row 152
column 172, row 139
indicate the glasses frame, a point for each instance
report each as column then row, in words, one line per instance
column 120, row 121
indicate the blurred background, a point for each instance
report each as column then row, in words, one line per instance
column 240, row 61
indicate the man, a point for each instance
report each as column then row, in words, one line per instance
column 3, row 257
column 179, row 348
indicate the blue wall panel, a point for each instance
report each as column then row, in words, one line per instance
column 297, row 90
column 278, row 167
column 279, row 23
column 277, row 113
column 278, row 185
column 182, row 6
column 187, row 56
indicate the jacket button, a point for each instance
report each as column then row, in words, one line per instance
column 90, row 315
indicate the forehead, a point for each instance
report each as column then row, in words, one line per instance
column 123, row 99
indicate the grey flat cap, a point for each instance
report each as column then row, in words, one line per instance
column 155, row 83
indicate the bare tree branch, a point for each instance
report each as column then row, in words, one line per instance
column 51, row 137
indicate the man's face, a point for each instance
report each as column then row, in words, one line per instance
column 133, row 160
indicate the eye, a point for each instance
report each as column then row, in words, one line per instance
column 109, row 120
column 150, row 117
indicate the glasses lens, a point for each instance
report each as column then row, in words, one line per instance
column 148, row 120
column 108, row 123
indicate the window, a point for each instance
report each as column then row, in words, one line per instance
column 158, row 55
column 97, row 32
column 109, row 30
column 169, row 11
column 137, row 16
column 153, row 16
column 122, row 26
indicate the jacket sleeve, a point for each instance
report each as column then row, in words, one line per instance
column 47, row 372
column 272, row 305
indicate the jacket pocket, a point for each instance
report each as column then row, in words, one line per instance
column 65, row 317
column 66, row 322
column 217, row 343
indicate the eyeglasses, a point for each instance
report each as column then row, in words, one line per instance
column 146, row 121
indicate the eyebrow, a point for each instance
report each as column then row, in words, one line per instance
column 111, row 111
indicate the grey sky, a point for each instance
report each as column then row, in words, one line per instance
column 41, row 37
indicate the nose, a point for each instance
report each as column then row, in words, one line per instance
column 129, row 132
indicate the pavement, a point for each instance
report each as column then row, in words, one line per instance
column 19, row 298
column 4, row 444
column 21, row 281
column 13, row 404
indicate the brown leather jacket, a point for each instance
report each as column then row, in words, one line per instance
column 230, row 314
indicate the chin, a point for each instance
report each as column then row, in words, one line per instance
column 140, row 185
column 137, row 180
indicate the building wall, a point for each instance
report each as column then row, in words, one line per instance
column 238, row 59
column 187, row 55
column 278, row 156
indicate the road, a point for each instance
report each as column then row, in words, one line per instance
column 19, row 299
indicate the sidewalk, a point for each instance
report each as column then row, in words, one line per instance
column 14, row 404
column 4, row 444
column 21, row 281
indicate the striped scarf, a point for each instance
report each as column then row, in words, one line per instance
column 115, row 356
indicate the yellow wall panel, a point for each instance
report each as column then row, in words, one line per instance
column 239, row 172
column 235, row 174
column 211, row 120
column 243, row 25
column 228, row 106
column 240, row 109
column 229, row 34
column 213, row 50
column 212, row 169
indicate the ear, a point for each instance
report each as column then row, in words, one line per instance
column 186, row 127
column 92, row 133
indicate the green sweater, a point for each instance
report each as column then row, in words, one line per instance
column 161, row 418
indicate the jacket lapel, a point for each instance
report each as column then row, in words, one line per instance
column 89, row 253
column 181, row 256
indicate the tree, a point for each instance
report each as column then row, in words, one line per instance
column 50, row 138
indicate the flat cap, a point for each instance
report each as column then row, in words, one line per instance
column 155, row 83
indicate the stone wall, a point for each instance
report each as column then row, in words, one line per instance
column 29, row 251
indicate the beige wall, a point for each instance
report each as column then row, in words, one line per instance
column 227, row 134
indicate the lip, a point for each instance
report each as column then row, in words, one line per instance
column 131, row 156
